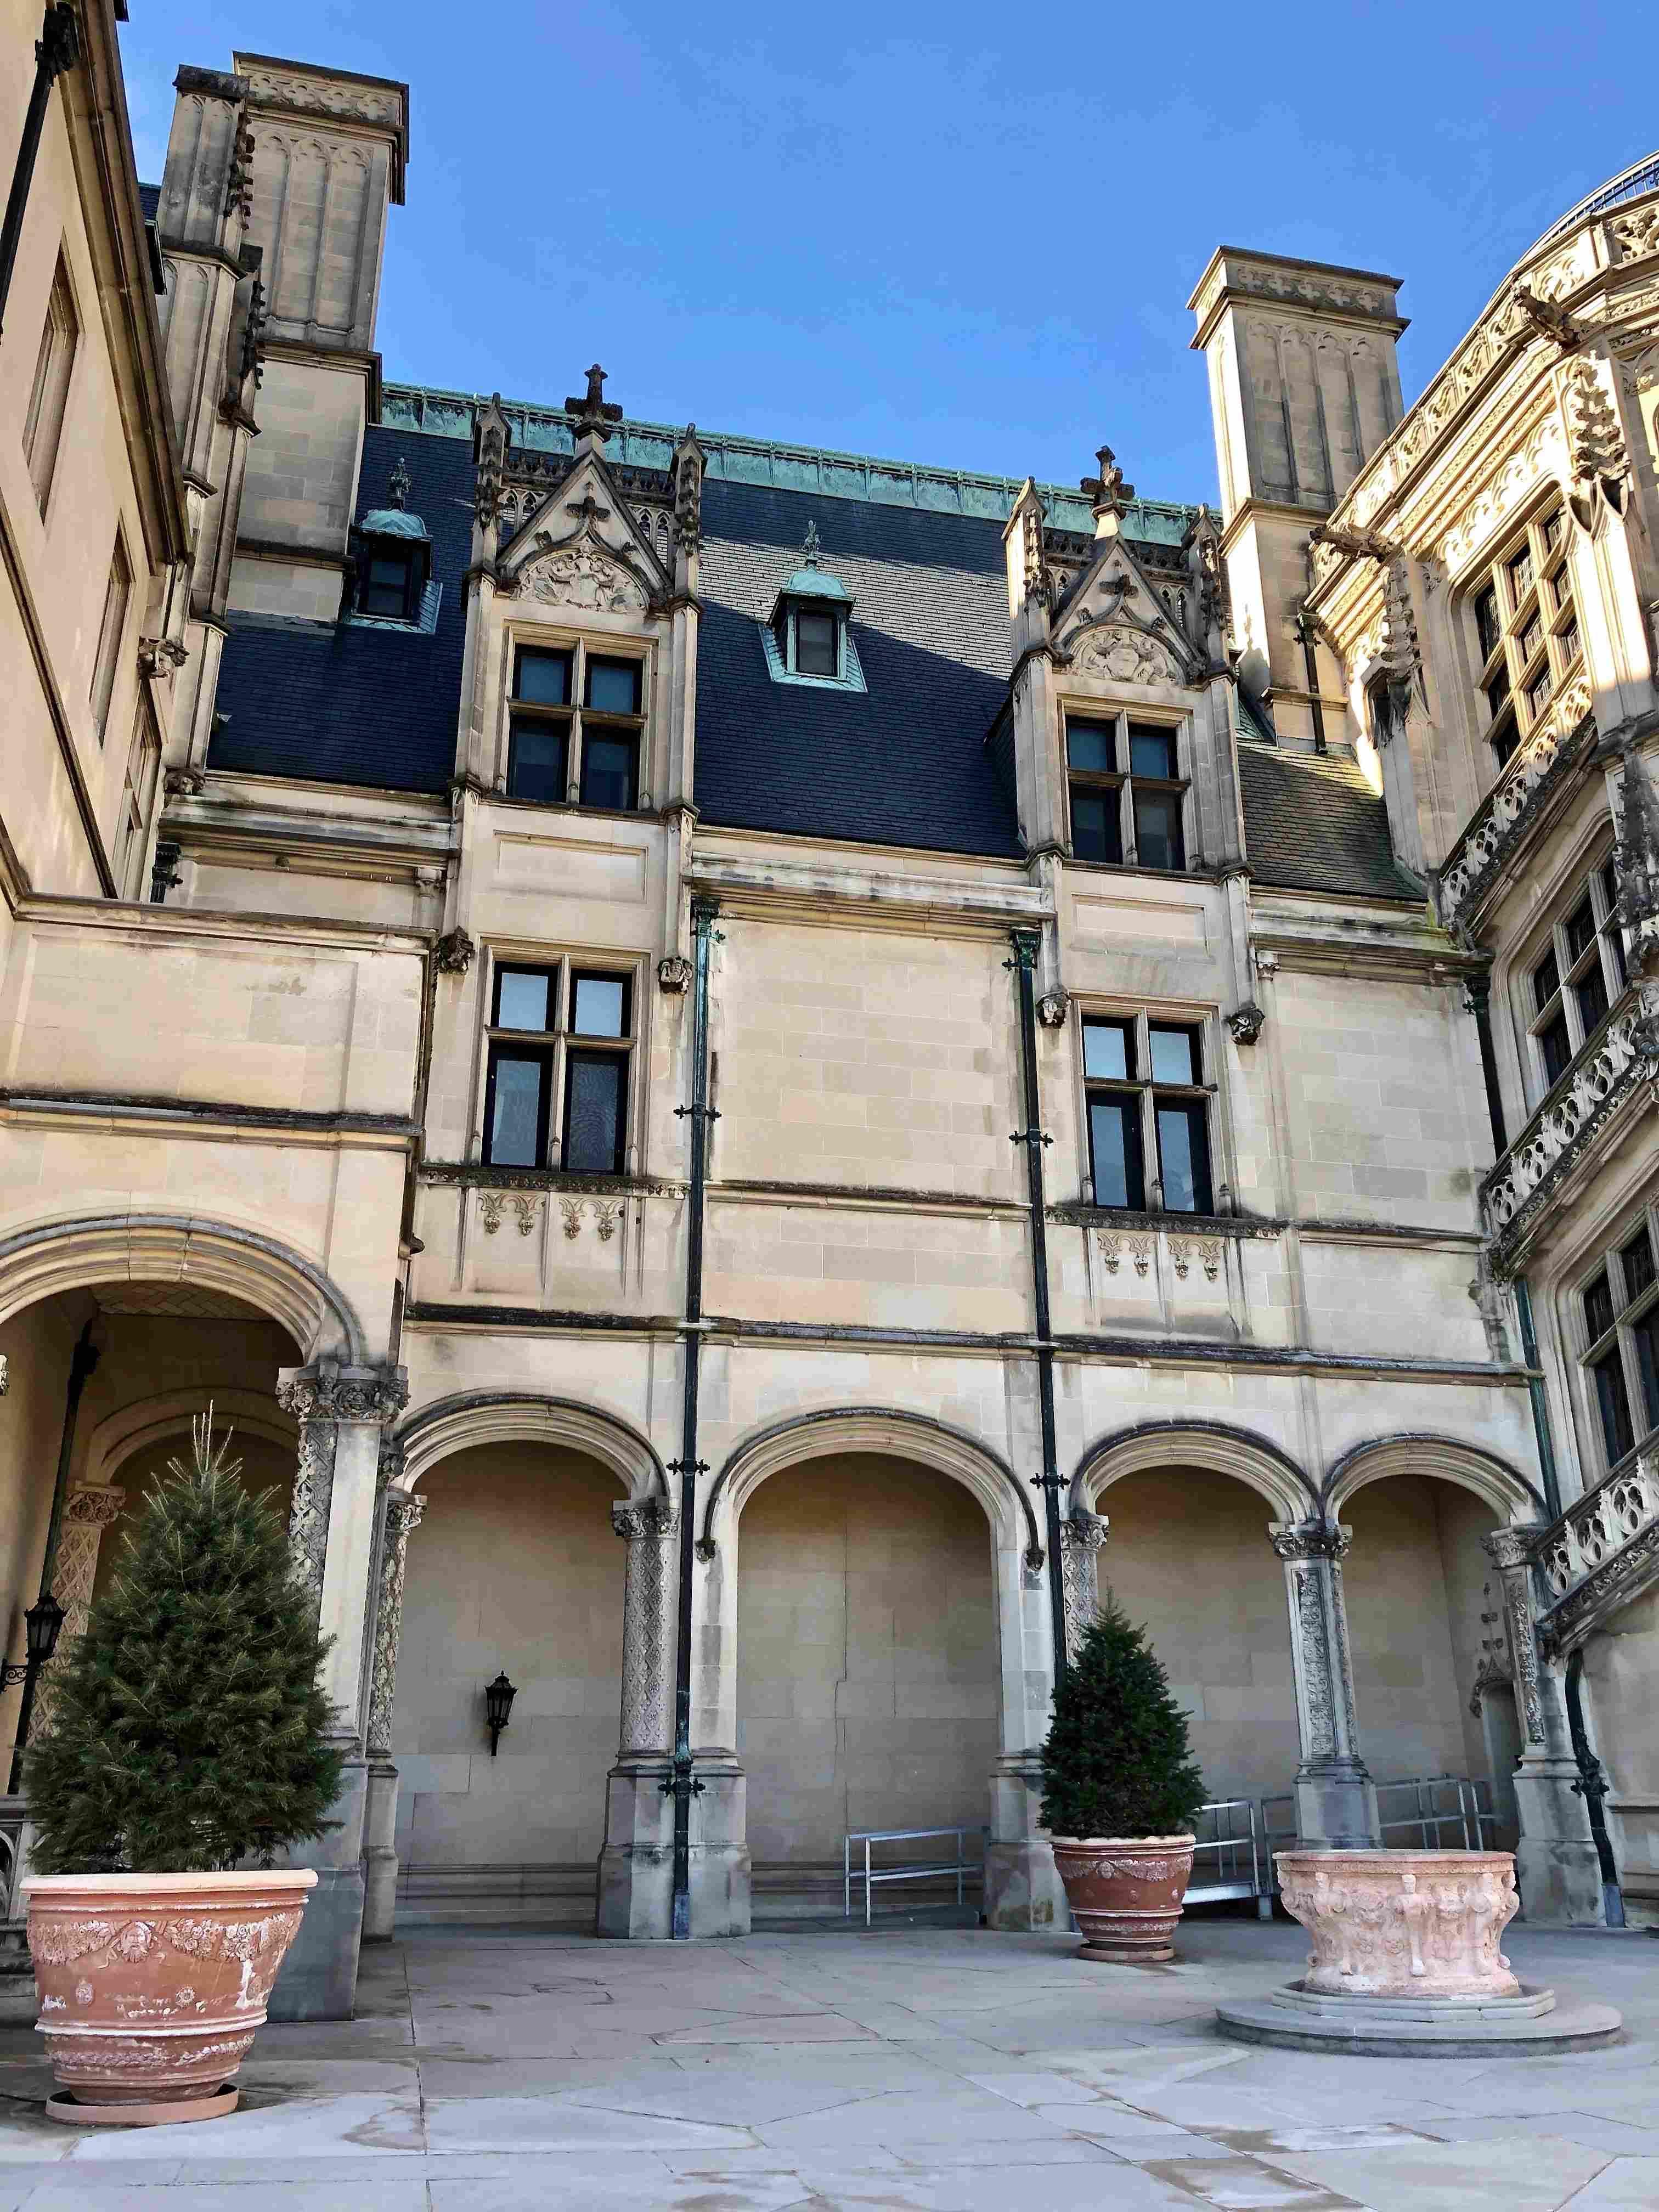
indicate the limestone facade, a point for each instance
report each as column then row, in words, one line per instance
column 567, row 1056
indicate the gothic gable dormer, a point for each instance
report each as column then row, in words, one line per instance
column 583, row 546
column 1115, row 624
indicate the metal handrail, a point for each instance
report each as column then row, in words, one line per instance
column 959, row 1866
column 1242, row 1867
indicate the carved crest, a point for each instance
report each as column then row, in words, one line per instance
column 585, row 576
column 1127, row 654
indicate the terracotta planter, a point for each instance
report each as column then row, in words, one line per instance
column 1420, row 1924
column 1126, row 1891
column 151, row 1986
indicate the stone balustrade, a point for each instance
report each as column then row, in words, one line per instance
column 1556, row 744
column 1601, row 1552
column 1606, row 1077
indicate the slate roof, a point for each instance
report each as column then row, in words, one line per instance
column 150, row 198
column 904, row 762
column 1312, row 822
column 370, row 706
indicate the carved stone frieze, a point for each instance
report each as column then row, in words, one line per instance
column 582, row 575
column 298, row 92
column 1128, row 655
column 1418, row 1924
column 1518, row 478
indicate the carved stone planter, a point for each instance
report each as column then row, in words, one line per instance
column 1403, row 1924
column 151, row 1986
column 1125, row 1893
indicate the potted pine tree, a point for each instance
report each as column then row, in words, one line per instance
column 1120, row 1792
column 186, row 1746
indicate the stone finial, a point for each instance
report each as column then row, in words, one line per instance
column 808, row 547
column 596, row 416
column 687, row 472
column 1110, row 495
column 399, row 489
column 491, row 440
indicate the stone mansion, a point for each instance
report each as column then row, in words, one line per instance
column 749, row 1071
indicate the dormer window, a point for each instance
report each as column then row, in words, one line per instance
column 394, row 558
column 808, row 638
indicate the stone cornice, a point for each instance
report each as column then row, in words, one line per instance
column 376, row 106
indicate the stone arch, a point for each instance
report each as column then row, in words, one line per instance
column 1211, row 1444
column 188, row 1249
column 134, row 1428
column 1492, row 1480
column 889, row 1435
column 472, row 1417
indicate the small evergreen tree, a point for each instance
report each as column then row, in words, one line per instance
column 187, row 1727
column 1116, row 1760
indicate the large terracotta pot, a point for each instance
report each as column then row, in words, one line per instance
column 1403, row 1924
column 1126, row 1891
column 151, row 1986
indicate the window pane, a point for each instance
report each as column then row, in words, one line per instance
column 1638, row 1256
column 515, row 1123
column 1546, row 982
column 1183, row 1154
column 1570, row 642
column 1485, row 623
column 593, row 1113
column 385, row 585
column 1175, row 1056
column 1646, row 1333
column 1580, row 931
column 613, row 687
column 1158, row 842
column 1095, row 832
column 1538, row 694
column 1608, row 1376
column 1501, row 739
column 1108, row 1051
column 543, row 678
column 1532, row 637
column 1557, row 1047
column 1152, row 750
column 1115, row 1151
column 608, row 771
column 1598, row 1308
column 1521, row 575
column 1553, row 527
column 1592, row 998
column 1498, row 692
column 815, row 646
column 601, row 1006
column 1091, row 746
column 524, row 999
column 535, row 761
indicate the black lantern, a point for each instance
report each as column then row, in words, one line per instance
column 41, row 1625
column 498, row 1707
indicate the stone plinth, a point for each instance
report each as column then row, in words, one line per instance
column 1403, row 1924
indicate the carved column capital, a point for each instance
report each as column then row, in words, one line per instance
column 94, row 1508
column 1510, row 1549
column 1311, row 1540
column 327, row 1391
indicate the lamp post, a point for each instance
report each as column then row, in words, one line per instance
column 498, row 1707
column 41, row 1624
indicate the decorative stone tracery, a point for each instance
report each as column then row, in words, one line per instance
column 648, row 1527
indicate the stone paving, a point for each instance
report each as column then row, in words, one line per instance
column 949, row 2069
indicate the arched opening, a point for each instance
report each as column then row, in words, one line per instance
column 1188, row 1556
column 868, row 1667
column 515, row 1566
column 1423, row 1609
column 150, row 1354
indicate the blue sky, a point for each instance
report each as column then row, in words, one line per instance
column 953, row 234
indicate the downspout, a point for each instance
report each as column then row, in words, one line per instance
column 57, row 49
column 83, row 1360
column 1026, row 943
column 1477, row 997
column 1540, row 1410
column 1592, row 1787
column 683, row 1785
column 1304, row 630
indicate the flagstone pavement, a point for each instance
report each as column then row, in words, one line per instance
column 945, row 2069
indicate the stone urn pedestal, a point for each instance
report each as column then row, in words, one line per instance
column 1125, row 1893
column 1405, row 1957
column 151, row 1986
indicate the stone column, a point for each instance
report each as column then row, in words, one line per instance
column 1336, row 1797
column 1082, row 1534
column 342, row 1412
column 636, row 1872
column 87, row 1514
column 403, row 1513
column 1556, row 1867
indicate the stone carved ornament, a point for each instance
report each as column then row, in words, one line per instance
column 1384, row 1930
column 582, row 575
column 303, row 94
column 1128, row 655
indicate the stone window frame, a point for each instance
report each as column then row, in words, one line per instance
column 574, row 718
column 1123, row 779
column 137, row 791
column 1140, row 1019
column 1522, row 635
column 1614, row 1330
column 560, row 1046
column 112, row 633
column 51, row 386
column 1547, row 1004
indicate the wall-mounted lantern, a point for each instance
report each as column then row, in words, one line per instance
column 498, row 1707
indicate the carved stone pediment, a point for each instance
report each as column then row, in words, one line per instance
column 1126, row 653
column 582, row 575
